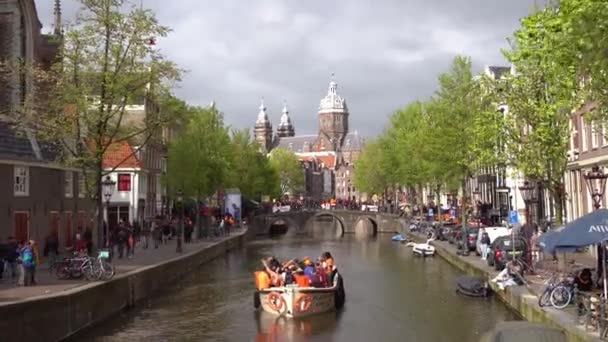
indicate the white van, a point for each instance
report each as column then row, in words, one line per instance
column 493, row 233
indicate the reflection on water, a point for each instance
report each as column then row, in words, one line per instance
column 273, row 328
column 390, row 296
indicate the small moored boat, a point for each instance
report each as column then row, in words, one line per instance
column 472, row 286
column 399, row 237
column 423, row 249
column 294, row 301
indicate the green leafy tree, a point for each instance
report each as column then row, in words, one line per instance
column 251, row 171
column 540, row 98
column 200, row 158
column 105, row 63
column 370, row 176
column 288, row 168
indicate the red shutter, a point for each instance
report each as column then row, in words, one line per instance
column 124, row 182
column 21, row 223
column 67, row 230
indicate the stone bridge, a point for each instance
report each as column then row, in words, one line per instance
column 300, row 221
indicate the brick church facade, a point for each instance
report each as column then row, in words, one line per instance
column 327, row 157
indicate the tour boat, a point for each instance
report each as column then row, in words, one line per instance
column 293, row 301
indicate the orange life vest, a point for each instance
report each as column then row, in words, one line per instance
column 302, row 280
column 262, row 280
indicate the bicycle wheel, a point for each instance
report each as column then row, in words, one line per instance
column 107, row 270
column 62, row 271
column 560, row 297
column 545, row 298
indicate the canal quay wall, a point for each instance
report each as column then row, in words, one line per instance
column 518, row 298
column 55, row 317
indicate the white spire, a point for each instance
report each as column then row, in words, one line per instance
column 262, row 116
column 285, row 121
column 333, row 86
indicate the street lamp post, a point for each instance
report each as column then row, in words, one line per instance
column 108, row 185
column 476, row 198
column 528, row 192
column 596, row 185
column 180, row 232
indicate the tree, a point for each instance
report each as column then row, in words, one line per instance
column 540, row 98
column 371, row 177
column 288, row 168
column 200, row 158
column 451, row 115
column 251, row 171
column 105, row 64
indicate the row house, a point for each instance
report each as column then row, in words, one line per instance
column 494, row 190
column 39, row 196
column 140, row 194
column 588, row 147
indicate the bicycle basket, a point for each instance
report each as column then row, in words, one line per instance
column 104, row 254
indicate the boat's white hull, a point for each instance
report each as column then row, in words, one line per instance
column 297, row 301
column 423, row 249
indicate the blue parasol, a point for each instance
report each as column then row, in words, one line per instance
column 587, row 230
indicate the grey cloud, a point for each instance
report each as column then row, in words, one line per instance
column 385, row 53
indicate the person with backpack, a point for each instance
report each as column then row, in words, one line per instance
column 28, row 264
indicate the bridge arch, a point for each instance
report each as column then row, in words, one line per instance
column 359, row 230
column 313, row 218
column 292, row 225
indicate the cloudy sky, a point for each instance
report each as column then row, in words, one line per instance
column 384, row 53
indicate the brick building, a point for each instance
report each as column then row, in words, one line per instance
column 37, row 194
column 327, row 157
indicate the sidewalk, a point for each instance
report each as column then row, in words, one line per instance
column 523, row 299
column 47, row 283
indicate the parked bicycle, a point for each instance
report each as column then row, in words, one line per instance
column 564, row 293
column 545, row 298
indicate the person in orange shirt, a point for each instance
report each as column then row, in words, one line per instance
column 262, row 279
column 301, row 279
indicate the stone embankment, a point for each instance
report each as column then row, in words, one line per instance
column 519, row 298
column 53, row 317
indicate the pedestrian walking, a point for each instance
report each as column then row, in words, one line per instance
column 485, row 243
column 51, row 248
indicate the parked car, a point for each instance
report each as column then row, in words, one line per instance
column 505, row 248
column 454, row 234
column 493, row 233
column 472, row 236
column 446, row 231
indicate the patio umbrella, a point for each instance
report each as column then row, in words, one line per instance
column 587, row 230
column 548, row 240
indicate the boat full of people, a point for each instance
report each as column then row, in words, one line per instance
column 299, row 288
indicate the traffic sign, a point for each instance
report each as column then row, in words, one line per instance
column 513, row 219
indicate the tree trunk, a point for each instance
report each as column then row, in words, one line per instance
column 559, row 203
column 102, row 236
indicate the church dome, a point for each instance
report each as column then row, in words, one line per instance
column 332, row 102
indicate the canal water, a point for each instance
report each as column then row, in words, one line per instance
column 390, row 296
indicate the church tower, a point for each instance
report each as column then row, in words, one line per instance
column 263, row 129
column 285, row 128
column 333, row 120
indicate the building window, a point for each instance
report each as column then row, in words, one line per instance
column 584, row 135
column 69, row 184
column 81, row 185
column 21, row 181
column 124, row 182
column 595, row 135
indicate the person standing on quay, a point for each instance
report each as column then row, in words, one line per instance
column 485, row 244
